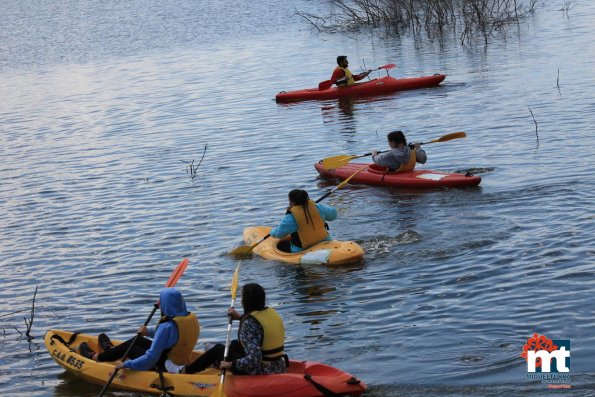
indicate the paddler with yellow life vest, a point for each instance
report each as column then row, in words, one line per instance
column 401, row 157
column 172, row 340
column 342, row 76
column 305, row 221
column 259, row 349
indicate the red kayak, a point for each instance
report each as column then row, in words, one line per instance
column 379, row 176
column 383, row 85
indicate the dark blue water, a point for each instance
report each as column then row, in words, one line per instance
column 105, row 103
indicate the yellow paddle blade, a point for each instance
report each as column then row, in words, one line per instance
column 234, row 282
column 241, row 251
column 337, row 161
column 448, row 137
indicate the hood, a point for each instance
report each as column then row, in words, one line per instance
column 172, row 303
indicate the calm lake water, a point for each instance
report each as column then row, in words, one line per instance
column 104, row 104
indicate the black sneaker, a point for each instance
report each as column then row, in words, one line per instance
column 86, row 351
column 104, row 342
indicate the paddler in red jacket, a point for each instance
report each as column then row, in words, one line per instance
column 342, row 76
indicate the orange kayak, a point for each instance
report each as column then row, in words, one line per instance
column 331, row 252
column 302, row 379
column 383, row 85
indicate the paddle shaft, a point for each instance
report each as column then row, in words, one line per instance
column 383, row 151
column 234, row 288
column 340, row 160
column 173, row 279
column 226, row 351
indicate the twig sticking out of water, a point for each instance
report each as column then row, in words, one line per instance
column 558, row 80
column 10, row 314
column 312, row 19
column 567, row 6
column 30, row 323
column 535, row 121
column 193, row 168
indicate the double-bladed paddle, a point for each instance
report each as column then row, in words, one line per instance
column 245, row 250
column 234, row 288
column 173, row 279
column 325, row 85
column 340, row 160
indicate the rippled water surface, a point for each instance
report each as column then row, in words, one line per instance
column 105, row 105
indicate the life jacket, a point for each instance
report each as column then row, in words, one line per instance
column 273, row 342
column 188, row 332
column 349, row 80
column 311, row 230
column 409, row 165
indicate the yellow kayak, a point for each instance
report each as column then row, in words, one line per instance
column 302, row 379
column 326, row 252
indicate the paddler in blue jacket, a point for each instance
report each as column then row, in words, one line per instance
column 401, row 157
column 173, row 339
column 305, row 221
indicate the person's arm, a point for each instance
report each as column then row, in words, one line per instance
column 420, row 154
column 287, row 226
column 385, row 159
column 360, row 76
column 251, row 335
column 327, row 213
column 165, row 337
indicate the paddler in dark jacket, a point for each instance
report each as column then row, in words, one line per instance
column 342, row 76
column 305, row 221
column 401, row 157
column 259, row 349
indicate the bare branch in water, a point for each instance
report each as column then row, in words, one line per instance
column 30, row 323
column 467, row 17
column 10, row 314
column 191, row 169
column 535, row 121
column 312, row 19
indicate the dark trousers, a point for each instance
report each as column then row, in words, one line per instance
column 215, row 355
column 140, row 347
column 284, row 245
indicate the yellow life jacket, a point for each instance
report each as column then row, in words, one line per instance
column 273, row 342
column 409, row 165
column 188, row 332
column 349, row 80
column 311, row 230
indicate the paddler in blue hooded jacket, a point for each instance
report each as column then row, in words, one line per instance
column 305, row 221
column 174, row 338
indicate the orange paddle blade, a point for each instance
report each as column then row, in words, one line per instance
column 175, row 276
